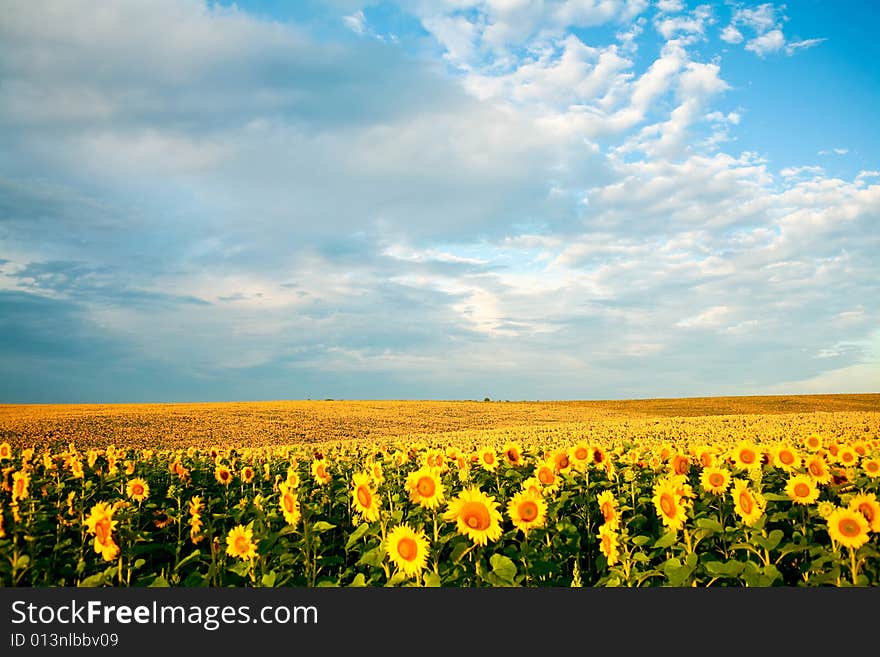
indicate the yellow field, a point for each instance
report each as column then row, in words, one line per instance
column 760, row 491
column 247, row 424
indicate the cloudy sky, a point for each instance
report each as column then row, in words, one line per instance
column 557, row 199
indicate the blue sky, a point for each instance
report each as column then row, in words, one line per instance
column 568, row 199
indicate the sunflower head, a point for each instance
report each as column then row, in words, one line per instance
column 476, row 515
column 746, row 456
column 748, row 504
column 848, row 528
column 289, row 504
column 715, row 480
column 513, row 453
column 869, row 507
column 609, row 544
column 608, row 508
column 425, row 487
column 488, row 459
column 802, row 489
column 240, row 543
column 137, row 489
column 364, row 498
column 527, row 510
column 407, row 549
column 669, row 505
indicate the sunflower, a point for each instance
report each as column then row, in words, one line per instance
column 705, row 455
column 100, row 523
column 289, row 504
column 320, row 471
column 247, row 474
column 847, row 456
column 668, row 504
column 425, row 487
column 561, row 460
column 802, row 489
column 786, row 458
column 581, row 455
column 407, row 549
column 748, row 504
column 813, row 442
column 680, row 464
column 488, row 459
column 609, row 544
column 240, row 543
column 608, row 508
column 848, row 527
column 435, row 459
column 746, row 456
column 546, row 476
column 365, row 500
column 476, row 515
column 137, row 489
column 223, row 475
column 599, row 456
column 513, row 453
column 532, row 484
column 5, row 451
column 871, row 467
column 20, row 485
column 527, row 510
column 867, row 505
column 292, row 480
column 817, row 466
column 715, row 480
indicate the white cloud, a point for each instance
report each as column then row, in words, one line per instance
column 793, row 46
column 670, row 6
column 710, row 318
column 768, row 42
column 731, row 35
column 356, row 22
column 792, row 172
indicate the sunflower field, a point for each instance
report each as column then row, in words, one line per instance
column 626, row 502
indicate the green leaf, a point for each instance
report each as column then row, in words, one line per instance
column 458, row 551
column 641, row 540
column 723, row 568
column 503, row 567
column 268, row 580
column 776, row 497
column 398, row 577
column 92, row 580
column 710, row 524
column 189, row 559
column 240, row 568
column 373, row 557
column 22, row 562
column 667, row 540
column 322, row 526
column 359, row 581
column 432, row 580
column 160, row 581
column 138, row 563
column 356, row 535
